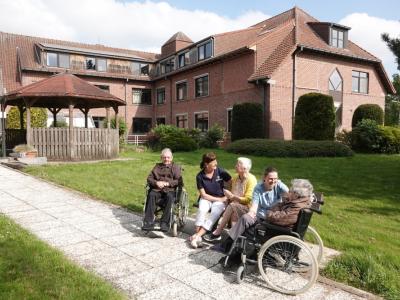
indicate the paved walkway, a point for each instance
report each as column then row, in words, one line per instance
column 107, row 240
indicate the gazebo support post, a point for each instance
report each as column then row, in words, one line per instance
column 21, row 116
column 85, row 111
column 108, row 117
column 71, row 132
column 116, row 117
column 54, row 111
column 28, row 123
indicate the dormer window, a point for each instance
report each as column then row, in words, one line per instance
column 57, row 60
column 167, row 65
column 204, row 51
column 90, row 63
column 337, row 38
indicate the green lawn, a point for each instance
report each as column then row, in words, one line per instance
column 361, row 216
column 30, row 269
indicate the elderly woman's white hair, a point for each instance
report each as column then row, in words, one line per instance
column 245, row 162
column 302, row 187
column 166, row 151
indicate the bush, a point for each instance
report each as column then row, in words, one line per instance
column 295, row 148
column 390, row 140
column 367, row 111
column 212, row 136
column 169, row 136
column 247, row 121
column 366, row 137
column 314, row 117
column 392, row 113
column 121, row 125
column 60, row 124
column 38, row 118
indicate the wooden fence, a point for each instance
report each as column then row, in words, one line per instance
column 86, row 144
column 14, row 137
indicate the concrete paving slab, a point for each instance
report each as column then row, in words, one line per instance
column 107, row 240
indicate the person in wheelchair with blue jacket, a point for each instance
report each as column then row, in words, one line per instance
column 163, row 180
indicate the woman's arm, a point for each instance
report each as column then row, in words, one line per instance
column 209, row 197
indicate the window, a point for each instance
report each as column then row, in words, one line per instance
column 181, row 91
column 201, row 86
column 337, row 38
column 182, row 121
column 335, row 90
column 101, row 65
column 183, row 59
column 160, row 121
column 204, row 51
column 144, row 69
column 229, row 120
column 167, row 65
column 99, row 122
column 63, row 61
column 90, row 63
column 141, row 125
column 58, row 60
column 161, row 96
column 139, row 69
column 359, row 82
column 141, row 96
column 201, row 121
column 103, row 87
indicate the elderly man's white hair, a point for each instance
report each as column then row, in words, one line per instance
column 302, row 187
column 245, row 162
column 165, row 151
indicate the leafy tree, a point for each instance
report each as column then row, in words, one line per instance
column 38, row 118
column 394, row 46
column 121, row 125
column 392, row 104
column 247, row 121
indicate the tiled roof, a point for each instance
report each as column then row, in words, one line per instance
column 53, row 92
column 179, row 36
column 28, row 57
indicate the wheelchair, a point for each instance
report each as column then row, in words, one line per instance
column 284, row 258
column 179, row 210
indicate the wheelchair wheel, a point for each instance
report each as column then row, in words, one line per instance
column 287, row 265
column 314, row 242
column 240, row 273
column 183, row 209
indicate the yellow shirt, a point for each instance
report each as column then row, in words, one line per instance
column 244, row 188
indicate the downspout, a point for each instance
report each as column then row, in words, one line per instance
column 266, row 108
column 126, row 104
column 298, row 50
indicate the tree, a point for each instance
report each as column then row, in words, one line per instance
column 247, row 121
column 394, row 46
column 392, row 104
column 38, row 118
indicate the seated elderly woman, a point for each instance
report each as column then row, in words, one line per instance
column 239, row 197
column 283, row 213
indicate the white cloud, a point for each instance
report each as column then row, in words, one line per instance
column 366, row 32
column 135, row 25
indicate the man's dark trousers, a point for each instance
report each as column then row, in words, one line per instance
column 164, row 199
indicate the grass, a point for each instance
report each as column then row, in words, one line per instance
column 360, row 218
column 30, row 269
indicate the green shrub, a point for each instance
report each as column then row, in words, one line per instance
column 247, row 121
column 295, row 148
column 59, row 124
column 38, row 118
column 178, row 142
column 195, row 134
column 392, row 113
column 390, row 140
column 121, row 125
column 314, row 117
column 169, row 136
column 344, row 137
column 367, row 111
column 212, row 136
column 366, row 137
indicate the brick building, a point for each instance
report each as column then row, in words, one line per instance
column 195, row 84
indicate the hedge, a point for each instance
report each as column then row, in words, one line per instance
column 368, row 111
column 295, row 148
column 247, row 121
column 314, row 117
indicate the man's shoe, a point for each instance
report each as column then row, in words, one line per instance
column 211, row 237
column 148, row 226
column 164, row 227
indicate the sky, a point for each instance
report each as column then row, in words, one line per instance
column 146, row 25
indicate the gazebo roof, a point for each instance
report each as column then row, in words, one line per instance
column 60, row 90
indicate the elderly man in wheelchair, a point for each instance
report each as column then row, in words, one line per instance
column 276, row 244
column 163, row 182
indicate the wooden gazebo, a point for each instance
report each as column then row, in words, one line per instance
column 66, row 91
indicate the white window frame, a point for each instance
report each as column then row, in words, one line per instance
column 187, row 90
column 165, row 95
column 208, row 85
column 202, row 44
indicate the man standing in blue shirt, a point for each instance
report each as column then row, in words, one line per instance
column 265, row 195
